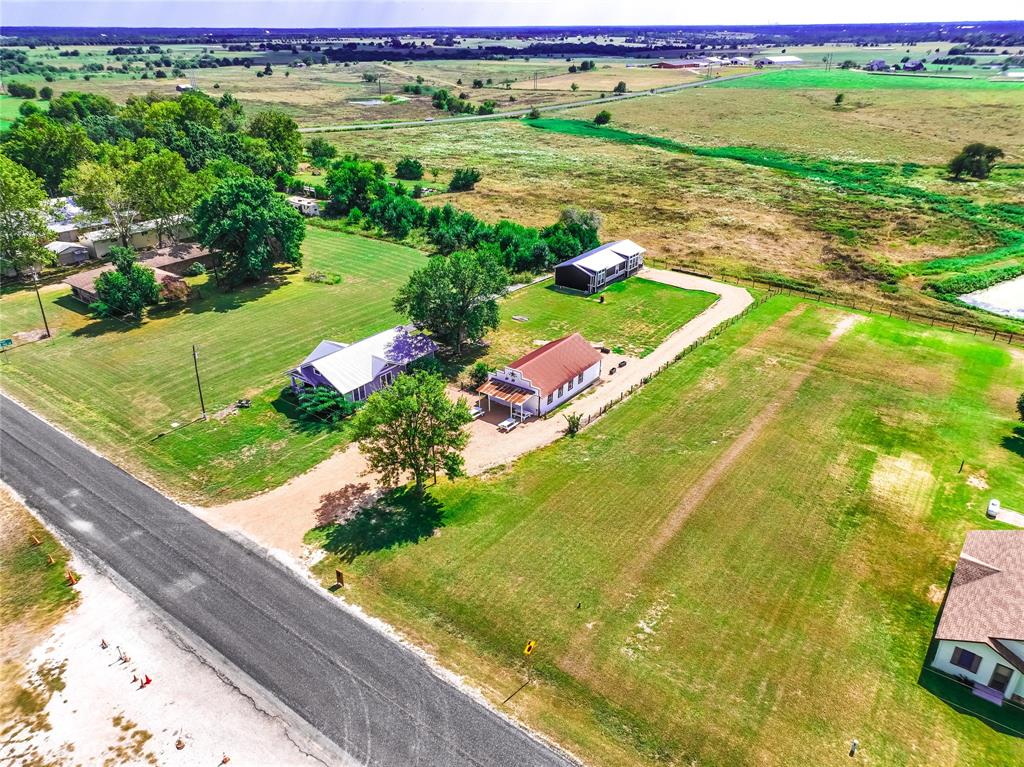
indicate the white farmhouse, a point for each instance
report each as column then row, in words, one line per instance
column 545, row 378
column 980, row 637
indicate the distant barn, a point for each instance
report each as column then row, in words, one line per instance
column 593, row 270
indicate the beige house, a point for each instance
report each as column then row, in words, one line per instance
column 980, row 636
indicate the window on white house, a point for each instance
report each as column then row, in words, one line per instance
column 965, row 659
column 579, row 378
column 560, row 388
column 569, row 385
column 551, row 397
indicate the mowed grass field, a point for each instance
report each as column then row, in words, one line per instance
column 119, row 386
column 742, row 564
column 636, row 316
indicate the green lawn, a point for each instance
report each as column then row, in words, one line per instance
column 118, row 386
column 9, row 109
column 849, row 79
column 788, row 612
column 635, row 317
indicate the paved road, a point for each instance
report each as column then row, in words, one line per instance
column 378, row 702
column 520, row 112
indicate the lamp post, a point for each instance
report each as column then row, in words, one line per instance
column 35, row 284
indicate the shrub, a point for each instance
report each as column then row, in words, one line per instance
column 464, row 179
column 409, row 169
column 196, row 270
column 46, row 93
column 478, row 374
column 603, row 117
column 534, row 114
column 322, row 403
column 21, row 91
column 173, row 289
column 1020, row 406
column 431, row 365
column 620, row 87
column 325, row 278
column 573, row 421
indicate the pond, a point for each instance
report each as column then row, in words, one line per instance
column 1005, row 298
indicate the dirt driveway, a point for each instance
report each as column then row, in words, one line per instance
column 280, row 517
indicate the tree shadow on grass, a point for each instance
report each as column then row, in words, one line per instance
column 206, row 298
column 398, row 518
column 1015, row 442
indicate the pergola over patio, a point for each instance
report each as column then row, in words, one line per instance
column 507, row 394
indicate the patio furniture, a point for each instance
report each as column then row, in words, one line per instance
column 508, row 425
column 476, row 411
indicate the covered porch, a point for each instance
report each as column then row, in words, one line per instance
column 506, row 395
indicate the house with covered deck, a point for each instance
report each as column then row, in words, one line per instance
column 593, row 270
column 361, row 368
column 542, row 380
column 980, row 635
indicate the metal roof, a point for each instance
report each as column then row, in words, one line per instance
column 605, row 256
column 347, row 368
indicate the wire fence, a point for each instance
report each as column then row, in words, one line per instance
column 946, row 322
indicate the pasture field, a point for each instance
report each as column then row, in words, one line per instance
column 880, row 124
column 742, row 564
column 636, row 316
column 118, row 386
column 852, row 79
column 640, row 77
column 757, row 212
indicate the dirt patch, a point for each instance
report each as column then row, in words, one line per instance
column 903, row 483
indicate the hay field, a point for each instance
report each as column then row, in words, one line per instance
column 740, row 565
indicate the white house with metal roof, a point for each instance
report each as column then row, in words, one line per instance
column 361, row 368
column 591, row 271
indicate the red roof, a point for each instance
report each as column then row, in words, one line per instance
column 557, row 362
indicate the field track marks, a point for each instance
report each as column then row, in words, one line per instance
column 577, row 658
column 699, row 492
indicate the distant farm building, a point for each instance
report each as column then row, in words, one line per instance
column 876, row 65
column 778, row 61
column 65, row 219
column 545, row 378
column 83, row 284
column 980, row 636
column 170, row 263
column 183, row 87
column 144, row 235
column 68, row 253
column 359, row 369
column 307, row 206
column 593, row 270
column 739, row 60
column 680, row 64
column 914, row 66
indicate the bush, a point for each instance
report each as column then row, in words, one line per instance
column 417, row 191
column 573, row 422
column 325, row 278
column 431, row 365
column 324, row 404
column 620, row 87
column 46, row 93
column 1020, row 406
column 603, row 117
column 21, row 91
column 196, row 270
column 478, row 374
column 464, row 179
column 409, row 169
column 534, row 114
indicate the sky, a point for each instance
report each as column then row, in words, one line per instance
column 409, row 13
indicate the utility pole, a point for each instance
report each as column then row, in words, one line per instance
column 199, row 384
column 35, row 284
